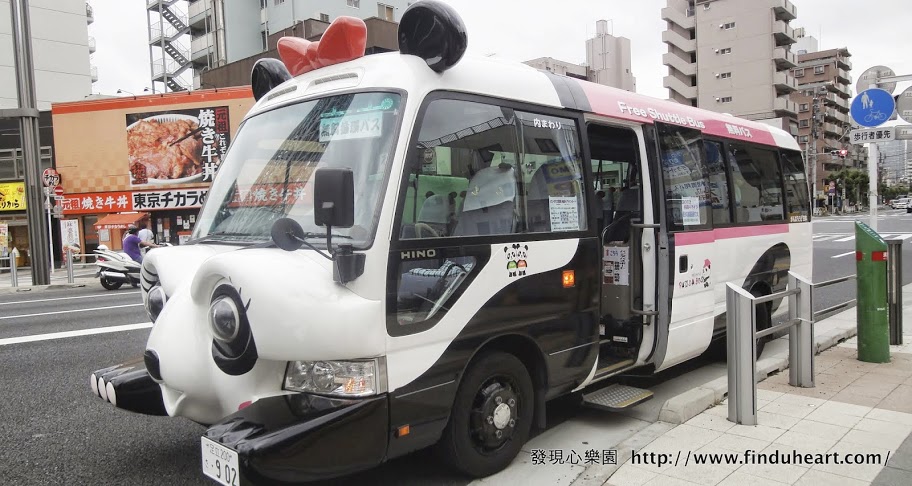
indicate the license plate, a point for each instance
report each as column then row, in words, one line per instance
column 220, row 463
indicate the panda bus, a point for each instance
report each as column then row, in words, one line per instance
column 421, row 248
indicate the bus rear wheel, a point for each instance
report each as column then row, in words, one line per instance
column 491, row 416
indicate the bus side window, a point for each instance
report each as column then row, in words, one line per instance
column 796, row 187
column 756, row 183
column 552, row 173
column 687, row 189
column 718, row 182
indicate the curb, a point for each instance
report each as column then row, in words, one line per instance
column 683, row 407
column 30, row 288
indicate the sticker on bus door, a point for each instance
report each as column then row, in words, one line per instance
column 615, row 266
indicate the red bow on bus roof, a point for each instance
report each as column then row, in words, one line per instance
column 344, row 40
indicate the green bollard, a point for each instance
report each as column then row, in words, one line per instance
column 871, row 310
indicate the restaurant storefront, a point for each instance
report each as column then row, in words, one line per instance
column 144, row 159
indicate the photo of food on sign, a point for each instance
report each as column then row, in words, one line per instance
column 177, row 146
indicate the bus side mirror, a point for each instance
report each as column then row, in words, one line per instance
column 334, row 198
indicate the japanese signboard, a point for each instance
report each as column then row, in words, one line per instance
column 869, row 135
column 69, row 233
column 4, row 238
column 12, row 196
column 117, row 202
column 177, row 146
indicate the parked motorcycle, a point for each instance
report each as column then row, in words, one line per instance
column 115, row 268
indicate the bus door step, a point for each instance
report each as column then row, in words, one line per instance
column 616, row 397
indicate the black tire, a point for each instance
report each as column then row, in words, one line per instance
column 110, row 284
column 469, row 443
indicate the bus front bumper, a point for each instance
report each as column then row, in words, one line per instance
column 300, row 437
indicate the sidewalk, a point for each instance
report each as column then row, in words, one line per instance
column 855, row 408
column 82, row 276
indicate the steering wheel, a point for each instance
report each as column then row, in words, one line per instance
column 421, row 228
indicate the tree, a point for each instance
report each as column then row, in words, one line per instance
column 854, row 181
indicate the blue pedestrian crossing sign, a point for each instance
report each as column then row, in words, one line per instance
column 872, row 107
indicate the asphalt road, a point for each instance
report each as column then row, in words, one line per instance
column 54, row 431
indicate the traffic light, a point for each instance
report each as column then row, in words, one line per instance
column 843, row 153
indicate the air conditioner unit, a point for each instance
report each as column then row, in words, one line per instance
column 721, row 25
column 716, row 50
column 718, row 100
column 717, row 75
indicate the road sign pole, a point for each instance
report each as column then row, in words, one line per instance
column 872, row 183
column 50, row 233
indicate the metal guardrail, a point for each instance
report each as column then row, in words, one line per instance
column 14, row 277
column 742, row 335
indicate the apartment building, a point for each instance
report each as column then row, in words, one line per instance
column 739, row 51
column 607, row 61
column 222, row 32
column 61, row 47
column 824, row 90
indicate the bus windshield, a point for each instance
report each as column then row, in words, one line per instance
column 268, row 172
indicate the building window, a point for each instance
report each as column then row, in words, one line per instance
column 804, row 123
column 809, row 92
column 725, row 75
column 705, row 6
column 803, row 139
column 803, row 107
column 819, row 69
column 324, row 17
column 728, row 26
column 725, row 99
column 727, row 50
column 354, row 3
column 799, row 73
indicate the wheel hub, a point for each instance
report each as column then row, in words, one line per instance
column 501, row 416
column 495, row 414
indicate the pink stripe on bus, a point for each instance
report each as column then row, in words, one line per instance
column 699, row 237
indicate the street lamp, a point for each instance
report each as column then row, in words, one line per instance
column 120, row 91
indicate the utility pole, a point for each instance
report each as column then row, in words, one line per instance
column 28, row 126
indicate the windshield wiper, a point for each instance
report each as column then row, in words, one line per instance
column 323, row 235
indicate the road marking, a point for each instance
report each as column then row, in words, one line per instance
column 843, row 254
column 70, row 311
column 70, row 334
column 825, row 237
column 848, row 238
column 70, row 298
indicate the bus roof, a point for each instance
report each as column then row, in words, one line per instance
column 517, row 81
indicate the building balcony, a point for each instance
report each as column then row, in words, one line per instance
column 675, row 84
column 93, row 70
column 785, row 10
column 784, row 58
column 201, row 46
column 90, row 14
column 783, row 33
column 675, row 61
column 677, row 17
column 785, row 106
column 784, row 83
column 677, row 40
column 91, row 45
column 843, row 76
column 197, row 14
column 831, row 128
column 843, row 62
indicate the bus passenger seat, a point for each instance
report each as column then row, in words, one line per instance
column 435, row 212
column 628, row 206
column 488, row 207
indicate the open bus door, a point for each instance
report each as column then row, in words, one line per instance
column 627, row 233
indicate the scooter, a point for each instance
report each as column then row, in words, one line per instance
column 116, row 268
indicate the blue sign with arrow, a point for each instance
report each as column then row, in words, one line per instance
column 872, row 107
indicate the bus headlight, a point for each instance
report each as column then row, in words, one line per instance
column 355, row 378
column 155, row 302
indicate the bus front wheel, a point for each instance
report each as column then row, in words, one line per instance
column 491, row 416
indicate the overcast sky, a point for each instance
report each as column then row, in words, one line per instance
column 875, row 31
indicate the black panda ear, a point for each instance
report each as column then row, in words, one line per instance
column 433, row 31
column 505, row 249
column 527, row 247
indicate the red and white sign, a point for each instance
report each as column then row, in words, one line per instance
column 126, row 201
column 58, row 191
column 50, row 177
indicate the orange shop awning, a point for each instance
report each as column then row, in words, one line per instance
column 119, row 220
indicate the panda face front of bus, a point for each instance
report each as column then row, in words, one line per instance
column 264, row 327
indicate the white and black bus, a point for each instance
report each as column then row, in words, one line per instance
column 423, row 248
